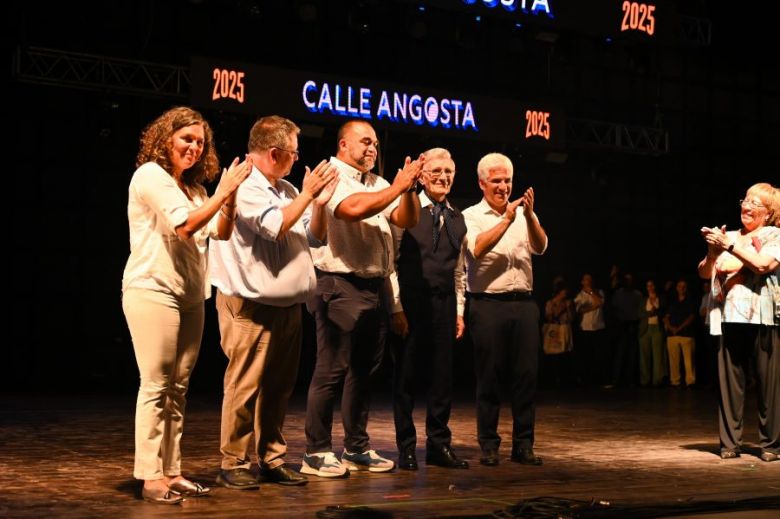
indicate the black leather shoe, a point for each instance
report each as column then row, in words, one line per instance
column 768, row 456
column 161, row 496
column 407, row 459
column 237, row 479
column 444, row 457
column 283, row 476
column 489, row 458
column 525, row 457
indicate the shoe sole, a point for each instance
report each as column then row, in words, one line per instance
column 445, row 465
column 295, row 483
column 529, row 463
column 223, row 483
column 169, row 502
column 354, row 466
column 305, row 469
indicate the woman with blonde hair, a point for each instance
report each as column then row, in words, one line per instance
column 743, row 266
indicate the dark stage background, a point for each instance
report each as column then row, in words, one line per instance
column 72, row 149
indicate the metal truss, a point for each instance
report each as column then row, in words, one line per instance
column 95, row 72
column 643, row 140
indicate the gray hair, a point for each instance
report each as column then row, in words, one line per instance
column 437, row 153
column 493, row 160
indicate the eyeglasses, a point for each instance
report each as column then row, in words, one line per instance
column 295, row 153
column 751, row 204
column 437, row 172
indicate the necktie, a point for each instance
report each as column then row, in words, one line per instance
column 441, row 210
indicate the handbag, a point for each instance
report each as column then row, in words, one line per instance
column 557, row 338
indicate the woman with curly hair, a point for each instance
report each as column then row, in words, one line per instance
column 165, row 283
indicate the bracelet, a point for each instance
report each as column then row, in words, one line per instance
column 228, row 205
column 731, row 247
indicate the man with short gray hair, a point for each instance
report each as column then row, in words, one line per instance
column 502, row 315
column 429, row 293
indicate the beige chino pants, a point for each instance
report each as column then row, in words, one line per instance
column 263, row 346
column 166, row 339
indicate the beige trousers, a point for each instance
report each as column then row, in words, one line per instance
column 263, row 346
column 674, row 345
column 166, row 338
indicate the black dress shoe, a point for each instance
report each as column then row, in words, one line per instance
column 525, row 457
column 489, row 457
column 407, row 460
column 444, row 457
column 237, row 479
column 282, row 475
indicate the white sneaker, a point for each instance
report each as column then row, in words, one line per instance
column 324, row 465
column 369, row 460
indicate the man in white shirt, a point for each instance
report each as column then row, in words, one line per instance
column 263, row 274
column 353, row 267
column 590, row 351
column 502, row 315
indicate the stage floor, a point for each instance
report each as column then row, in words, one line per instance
column 73, row 457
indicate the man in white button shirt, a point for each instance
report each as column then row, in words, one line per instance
column 263, row 274
column 353, row 267
column 502, row 315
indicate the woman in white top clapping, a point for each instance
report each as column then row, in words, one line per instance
column 165, row 284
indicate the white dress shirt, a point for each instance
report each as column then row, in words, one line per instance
column 507, row 266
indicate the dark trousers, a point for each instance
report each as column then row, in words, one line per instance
column 738, row 344
column 591, row 357
column 506, row 345
column 351, row 325
column 425, row 355
column 625, row 366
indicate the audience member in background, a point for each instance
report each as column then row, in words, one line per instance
column 625, row 303
column 680, row 330
column 558, row 339
column 592, row 359
column 651, row 339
